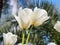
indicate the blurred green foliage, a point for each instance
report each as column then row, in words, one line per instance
column 47, row 29
column 39, row 35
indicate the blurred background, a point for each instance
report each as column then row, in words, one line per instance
column 41, row 35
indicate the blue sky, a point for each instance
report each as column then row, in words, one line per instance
column 56, row 2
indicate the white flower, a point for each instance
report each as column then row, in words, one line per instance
column 39, row 16
column 57, row 26
column 9, row 38
column 14, row 10
column 21, row 44
column 14, row 4
column 51, row 43
column 24, row 18
column 24, row 44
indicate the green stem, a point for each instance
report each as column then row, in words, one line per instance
column 28, row 36
column 23, row 38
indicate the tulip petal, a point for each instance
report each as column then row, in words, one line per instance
column 8, row 38
column 51, row 43
column 24, row 18
column 57, row 26
column 39, row 16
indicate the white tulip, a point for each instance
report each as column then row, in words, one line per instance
column 21, row 44
column 14, row 4
column 9, row 38
column 24, row 18
column 57, row 26
column 51, row 43
column 24, row 44
column 14, row 10
column 39, row 16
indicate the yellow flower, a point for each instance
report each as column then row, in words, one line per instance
column 9, row 38
column 24, row 18
column 57, row 26
column 39, row 16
